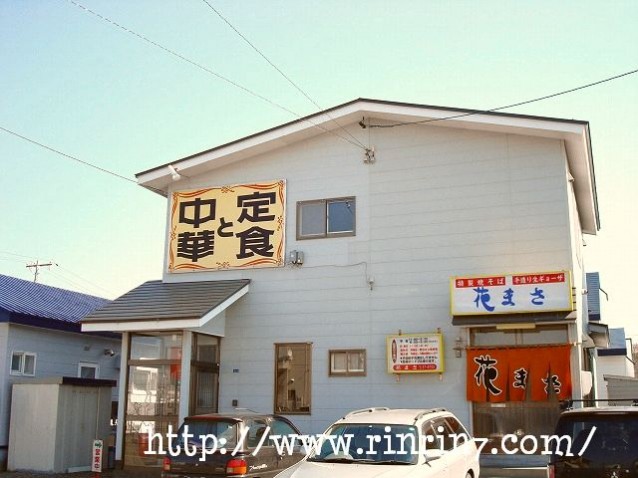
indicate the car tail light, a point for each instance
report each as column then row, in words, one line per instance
column 550, row 471
column 236, row 466
column 166, row 464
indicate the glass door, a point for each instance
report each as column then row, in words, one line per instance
column 204, row 374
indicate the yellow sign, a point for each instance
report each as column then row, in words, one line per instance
column 415, row 353
column 229, row 227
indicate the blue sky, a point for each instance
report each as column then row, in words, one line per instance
column 94, row 91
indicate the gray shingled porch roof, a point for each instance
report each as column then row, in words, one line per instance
column 157, row 301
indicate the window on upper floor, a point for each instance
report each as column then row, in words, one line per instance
column 88, row 370
column 23, row 363
column 326, row 218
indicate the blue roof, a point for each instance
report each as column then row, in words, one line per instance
column 30, row 298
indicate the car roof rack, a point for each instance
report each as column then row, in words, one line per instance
column 366, row 410
column 570, row 403
column 427, row 412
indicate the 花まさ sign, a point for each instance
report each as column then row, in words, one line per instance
column 511, row 294
column 228, row 227
column 415, row 353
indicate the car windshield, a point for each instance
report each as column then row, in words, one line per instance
column 369, row 443
column 203, row 431
column 598, row 440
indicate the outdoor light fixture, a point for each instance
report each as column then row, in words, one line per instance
column 109, row 352
column 174, row 174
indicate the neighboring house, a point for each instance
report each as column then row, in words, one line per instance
column 615, row 370
column 609, row 358
column 373, row 254
column 40, row 337
column 616, row 360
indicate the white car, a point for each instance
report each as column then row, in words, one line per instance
column 387, row 443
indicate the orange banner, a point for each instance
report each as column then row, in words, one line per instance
column 518, row 374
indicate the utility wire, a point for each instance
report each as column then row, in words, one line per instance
column 526, row 102
column 85, row 163
column 286, row 77
column 68, row 156
column 207, row 70
column 92, row 284
column 18, row 255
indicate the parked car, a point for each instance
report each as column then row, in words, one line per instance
column 383, row 442
column 604, row 443
column 242, row 447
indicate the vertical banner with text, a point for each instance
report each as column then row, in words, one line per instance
column 228, row 227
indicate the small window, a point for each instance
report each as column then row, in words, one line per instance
column 23, row 363
column 88, row 370
column 326, row 218
column 351, row 363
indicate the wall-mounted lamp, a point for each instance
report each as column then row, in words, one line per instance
column 459, row 346
column 109, row 352
column 174, row 174
column 369, row 157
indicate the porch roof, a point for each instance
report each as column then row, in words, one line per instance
column 157, row 305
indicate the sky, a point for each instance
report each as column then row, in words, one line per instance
column 95, row 90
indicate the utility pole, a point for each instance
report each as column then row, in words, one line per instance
column 36, row 265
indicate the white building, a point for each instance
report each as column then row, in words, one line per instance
column 297, row 256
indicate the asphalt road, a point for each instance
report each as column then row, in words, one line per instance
column 530, row 473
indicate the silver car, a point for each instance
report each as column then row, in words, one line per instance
column 383, row 442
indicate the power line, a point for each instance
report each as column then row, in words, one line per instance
column 11, row 260
column 286, row 77
column 68, row 156
column 17, row 255
column 520, row 103
column 92, row 284
column 79, row 287
column 206, row 69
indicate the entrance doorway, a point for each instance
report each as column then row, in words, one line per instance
column 204, row 374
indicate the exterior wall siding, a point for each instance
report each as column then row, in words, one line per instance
column 437, row 202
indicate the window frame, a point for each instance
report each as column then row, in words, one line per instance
column 21, row 372
column 92, row 365
column 326, row 234
column 307, row 376
column 347, row 373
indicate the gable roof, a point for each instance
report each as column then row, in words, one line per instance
column 23, row 297
column 574, row 133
